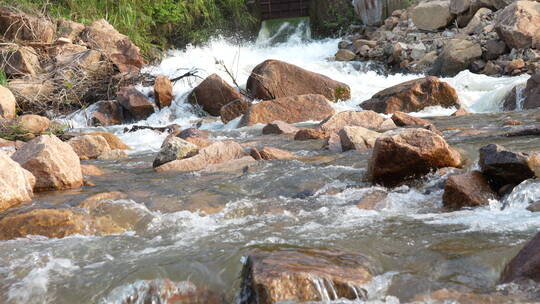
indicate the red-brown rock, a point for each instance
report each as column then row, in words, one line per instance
column 20, row 61
column 212, row 94
column 366, row 119
column 404, row 120
column 288, row 109
column 525, row 265
column 279, row 127
column 413, row 96
column 89, row 146
column 269, row 153
column 163, row 91
column 16, row 25
column 274, row 79
column 518, row 24
column 108, row 113
column 357, row 138
column 234, row 109
column 467, row 190
column 409, row 153
column 135, row 103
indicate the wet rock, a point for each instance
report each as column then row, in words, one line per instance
column 304, row 275
column 525, row 265
column 494, row 49
column 7, row 103
column 108, row 113
column 135, row 103
column 467, row 190
column 357, row 138
column 163, row 91
column 34, row 124
column 275, row 79
column 534, row 207
column 404, row 120
column 213, row 93
column 456, row 56
column 113, row 155
column 166, row 291
column 16, row 183
column 95, row 200
column 371, row 200
column 502, row 167
column 510, row 101
column 366, row 119
column 409, row 153
column 89, row 146
column 288, row 109
column 199, row 142
column 54, row 163
column 102, row 36
column 91, row 170
column 432, row 15
column 193, row 133
column 174, row 149
column 345, row 55
column 518, row 23
column 443, row 296
column 237, row 166
column 308, row 134
column 269, row 153
column 114, row 142
column 16, row 25
column 333, row 143
column 216, row 153
column 413, row 96
column 54, row 223
column 234, row 109
column 19, row 62
column 532, row 92
column 512, row 123
column 279, row 127
column 460, row 112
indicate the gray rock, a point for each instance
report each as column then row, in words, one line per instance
column 173, row 149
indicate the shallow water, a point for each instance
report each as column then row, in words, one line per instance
column 197, row 226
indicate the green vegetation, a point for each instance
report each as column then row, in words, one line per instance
column 15, row 131
column 3, row 78
column 155, row 24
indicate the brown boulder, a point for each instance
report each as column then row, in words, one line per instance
column 532, row 92
column 16, row 183
column 269, row 153
column 432, row 15
column 503, row 167
column 102, row 36
column 275, row 79
column 34, row 124
column 16, row 25
column 135, row 103
column 308, row 134
column 212, row 94
column 166, row 291
column 216, row 153
column 413, row 96
column 91, row 170
column 357, row 138
column 404, row 120
column 193, row 133
column 89, row 146
column 19, row 62
column 108, row 113
column 288, row 109
column 409, row 153
column 294, row 276
column 54, row 223
column 345, row 55
column 366, row 119
column 114, row 142
column 518, row 24
column 234, row 109
column 7, row 103
column 113, row 155
column 279, row 127
column 163, row 91
column 467, row 190
column 525, row 265
column 54, row 163
column 457, row 55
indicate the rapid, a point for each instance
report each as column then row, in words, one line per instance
column 198, row 226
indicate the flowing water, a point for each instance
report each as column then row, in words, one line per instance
column 198, row 226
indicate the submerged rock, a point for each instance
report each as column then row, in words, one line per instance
column 275, row 79
column 405, row 154
column 288, row 109
column 308, row 134
column 174, row 149
column 525, row 265
column 16, row 183
column 366, row 119
column 503, row 167
column 413, row 96
column 54, row 163
column 214, row 93
column 54, row 223
column 467, row 190
column 269, row 153
column 215, row 153
column 91, row 170
column 304, row 275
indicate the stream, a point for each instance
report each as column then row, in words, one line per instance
column 197, row 226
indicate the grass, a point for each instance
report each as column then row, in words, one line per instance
column 153, row 25
column 15, row 131
column 3, row 78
